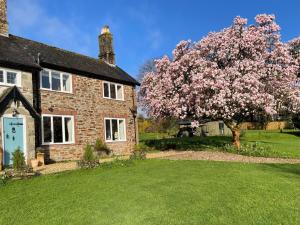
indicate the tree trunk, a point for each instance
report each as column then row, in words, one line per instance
column 235, row 128
column 236, row 137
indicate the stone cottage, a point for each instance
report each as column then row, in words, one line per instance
column 59, row 100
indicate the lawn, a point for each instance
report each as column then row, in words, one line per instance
column 158, row 192
column 285, row 145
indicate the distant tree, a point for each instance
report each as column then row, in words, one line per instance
column 147, row 67
column 238, row 73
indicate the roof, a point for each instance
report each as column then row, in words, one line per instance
column 27, row 53
column 13, row 93
column 14, row 56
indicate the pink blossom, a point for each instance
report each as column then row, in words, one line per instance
column 240, row 73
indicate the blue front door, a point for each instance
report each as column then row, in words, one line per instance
column 13, row 137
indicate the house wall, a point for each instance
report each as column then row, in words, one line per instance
column 26, row 90
column 89, row 109
column 212, row 129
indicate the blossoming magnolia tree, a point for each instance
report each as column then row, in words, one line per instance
column 239, row 73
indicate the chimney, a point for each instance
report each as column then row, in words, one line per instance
column 3, row 18
column 106, row 46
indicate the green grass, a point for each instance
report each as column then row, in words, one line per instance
column 158, row 192
column 287, row 144
column 284, row 145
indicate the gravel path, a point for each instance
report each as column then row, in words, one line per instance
column 176, row 155
column 219, row 156
column 65, row 166
column 57, row 167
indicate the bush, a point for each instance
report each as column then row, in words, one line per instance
column 4, row 178
column 89, row 159
column 138, row 153
column 251, row 149
column 101, row 149
column 117, row 162
column 18, row 160
column 188, row 143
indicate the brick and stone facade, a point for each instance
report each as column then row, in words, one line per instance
column 26, row 89
column 3, row 18
column 89, row 109
column 85, row 103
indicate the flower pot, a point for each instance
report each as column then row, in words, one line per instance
column 40, row 158
column 34, row 163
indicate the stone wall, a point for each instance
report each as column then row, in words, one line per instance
column 89, row 109
column 3, row 18
column 26, row 89
column 273, row 125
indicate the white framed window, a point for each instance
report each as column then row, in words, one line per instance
column 10, row 77
column 55, row 81
column 115, row 129
column 113, row 91
column 57, row 129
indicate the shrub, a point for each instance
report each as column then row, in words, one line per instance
column 18, row 160
column 89, row 159
column 101, row 148
column 138, row 153
column 117, row 162
column 251, row 149
column 4, row 178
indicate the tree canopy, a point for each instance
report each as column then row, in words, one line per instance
column 238, row 73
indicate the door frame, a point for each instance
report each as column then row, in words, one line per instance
column 24, row 133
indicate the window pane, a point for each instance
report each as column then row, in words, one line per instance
column 119, row 92
column 122, row 129
column 11, row 78
column 113, row 91
column 57, row 129
column 115, row 134
column 68, row 129
column 47, row 129
column 55, row 81
column 107, row 130
column 45, row 79
column 66, row 82
column 106, row 90
column 1, row 77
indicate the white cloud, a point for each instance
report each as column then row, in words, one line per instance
column 22, row 14
column 29, row 16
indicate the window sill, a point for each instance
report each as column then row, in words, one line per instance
column 64, row 92
column 50, row 144
column 121, row 100
column 118, row 141
column 10, row 85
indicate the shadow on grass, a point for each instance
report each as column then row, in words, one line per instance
column 295, row 133
column 188, row 143
column 286, row 168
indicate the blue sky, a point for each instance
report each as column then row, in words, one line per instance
column 142, row 29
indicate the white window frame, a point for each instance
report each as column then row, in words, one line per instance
column 52, row 129
column 5, row 71
column 61, row 81
column 116, row 84
column 118, row 119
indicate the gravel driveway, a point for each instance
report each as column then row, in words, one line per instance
column 176, row 155
column 217, row 156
